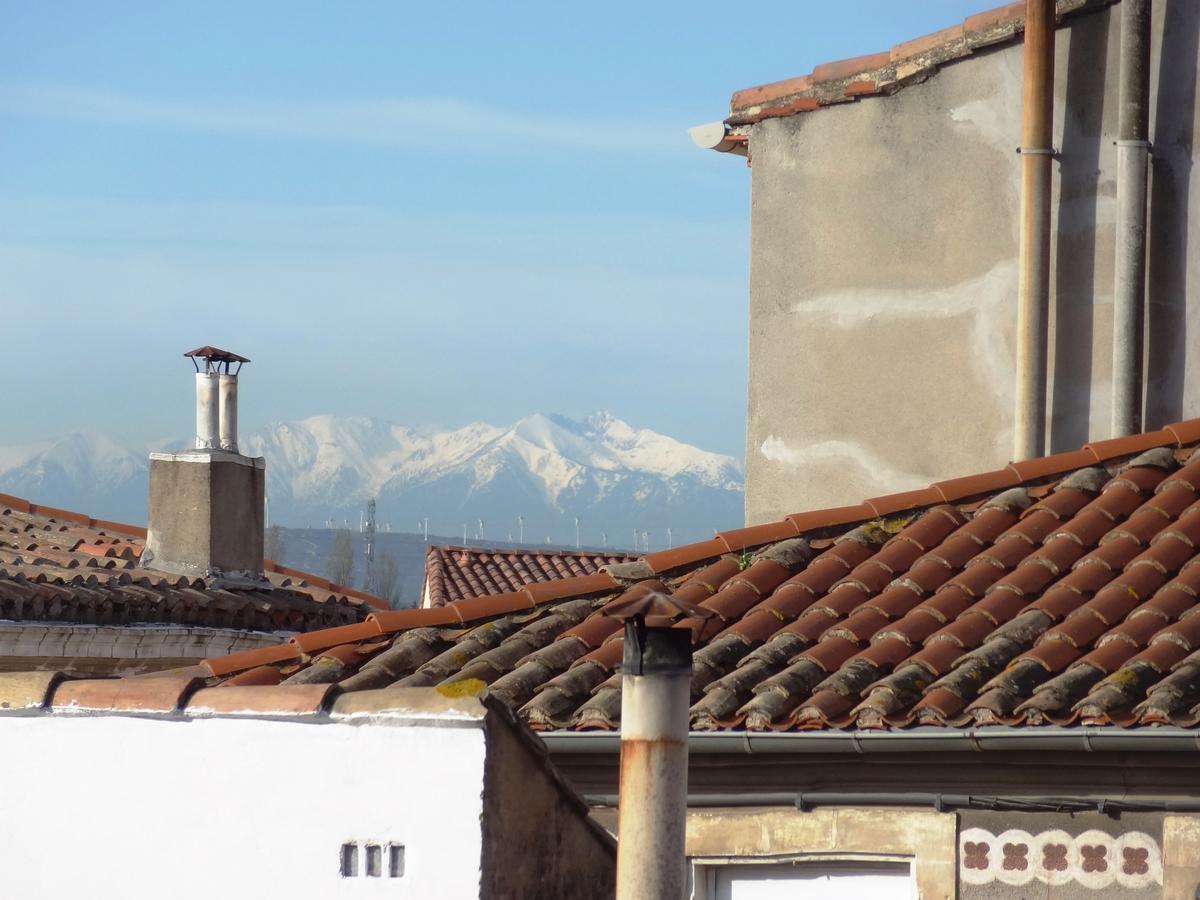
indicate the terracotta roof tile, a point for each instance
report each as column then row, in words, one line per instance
column 400, row 619
column 1187, row 432
column 313, row 641
column 927, row 42
column 844, row 68
column 258, row 700
column 757, row 535
column 975, row 485
column 667, row 560
column 894, row 503
column 142, row 695
column 1134, row 443
column 1010, row 12
column 829, row 518
column 27, row 690
column 249, row 659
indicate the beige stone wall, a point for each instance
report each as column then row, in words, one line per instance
column 883, row 275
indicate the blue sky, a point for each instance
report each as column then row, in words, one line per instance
column 431, row 213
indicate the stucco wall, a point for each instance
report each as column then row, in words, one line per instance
column 116, row 806
column 883, row 276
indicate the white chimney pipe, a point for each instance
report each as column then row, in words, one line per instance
column 228, row 414
column 206, row 411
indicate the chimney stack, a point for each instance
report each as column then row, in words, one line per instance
column 206, row 504
column 656, row 677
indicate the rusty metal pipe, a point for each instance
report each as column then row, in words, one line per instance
column 652, row 810
column 1037, row 114
column 1129, row 276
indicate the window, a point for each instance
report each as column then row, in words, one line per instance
column 810, row 881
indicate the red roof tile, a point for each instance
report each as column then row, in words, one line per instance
column 164, row 694
column 261, row 700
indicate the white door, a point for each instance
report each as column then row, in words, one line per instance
column 807, row 881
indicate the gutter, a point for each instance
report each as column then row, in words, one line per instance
column 1091, row 739
column 807, row 800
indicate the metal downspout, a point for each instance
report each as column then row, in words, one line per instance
column 1037, row 107
column 1129, row 281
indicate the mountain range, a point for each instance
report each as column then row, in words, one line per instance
column 527, row 482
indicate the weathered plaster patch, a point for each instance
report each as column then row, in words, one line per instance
column 989, row 299
column 875, row 469
column 989, row 117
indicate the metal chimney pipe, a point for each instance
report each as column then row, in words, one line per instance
column 652, row 811
column 1129, row 277
column 207, row 437
column 1037, row 120
column 228, row 412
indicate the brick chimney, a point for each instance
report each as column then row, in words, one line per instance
column 206, row 504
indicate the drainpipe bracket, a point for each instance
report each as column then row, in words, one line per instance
column 1052, row 152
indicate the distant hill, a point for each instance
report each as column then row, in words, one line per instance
column 546, row 469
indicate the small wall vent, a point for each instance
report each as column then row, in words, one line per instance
column 372, row 859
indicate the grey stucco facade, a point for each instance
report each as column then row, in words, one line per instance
column 883, row 273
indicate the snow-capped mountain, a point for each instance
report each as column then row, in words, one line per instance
column 84, row 472
column 546, row 469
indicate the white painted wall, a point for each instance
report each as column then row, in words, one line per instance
column 109, row 806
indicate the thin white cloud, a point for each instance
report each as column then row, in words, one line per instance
column 441, row 123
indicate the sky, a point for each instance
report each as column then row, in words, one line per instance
column 428, row 213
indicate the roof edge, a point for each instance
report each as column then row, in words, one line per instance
column 184, row 695
column 888, row 71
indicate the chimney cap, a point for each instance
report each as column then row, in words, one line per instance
column 214, row 358
column 654, row 603
column 216, row 354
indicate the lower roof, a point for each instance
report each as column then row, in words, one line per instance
column 457, row 573
column 62, row 566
